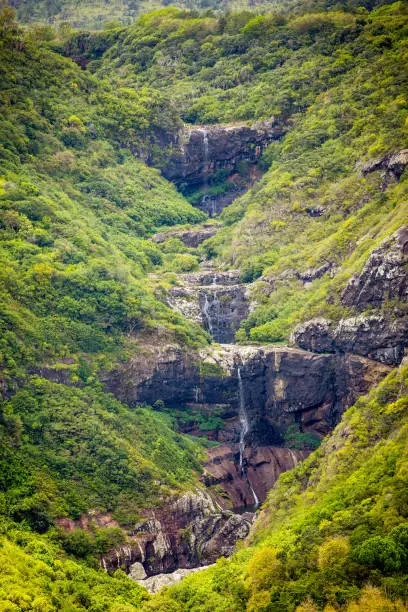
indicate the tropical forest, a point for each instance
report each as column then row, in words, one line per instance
column 203, row 306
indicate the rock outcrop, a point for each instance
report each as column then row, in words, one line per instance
column 381, row 291
column 384, row 277
column 191, row 237
column 281, row 387
column 374, row 336
column 202, row 150
column 187, row 532
column 391, row 167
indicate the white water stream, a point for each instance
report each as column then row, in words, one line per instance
column 211, row 302
column 205, row 145
column 243, row 419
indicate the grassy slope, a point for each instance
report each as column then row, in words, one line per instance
column 335, row 523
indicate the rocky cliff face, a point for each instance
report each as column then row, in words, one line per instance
column 186, row 532
column 200, row 151
column 379, row 295
column 257, row 393
column 281, row 386
column 217, row 301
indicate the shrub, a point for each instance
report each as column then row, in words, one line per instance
column 333, row 553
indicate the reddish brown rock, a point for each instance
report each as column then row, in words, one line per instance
column 262, row 468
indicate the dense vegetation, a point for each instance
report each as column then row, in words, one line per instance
column 76, row 211
column 338, row 80
column 333, row 525
column 79, row 200
column 97, row 14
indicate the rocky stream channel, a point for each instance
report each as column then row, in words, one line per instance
column 256, row 392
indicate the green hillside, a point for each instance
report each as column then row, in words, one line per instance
column 98, row 14
column 74, row 223
column 339, row 81
column 87, row 122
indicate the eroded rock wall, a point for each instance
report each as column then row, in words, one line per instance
column 282, row 386
column 200, row 151
column 186, row 532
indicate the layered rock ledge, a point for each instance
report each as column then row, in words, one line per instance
column 202, row 150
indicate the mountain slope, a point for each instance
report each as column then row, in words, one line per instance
column 76, row 210
column 84, row 297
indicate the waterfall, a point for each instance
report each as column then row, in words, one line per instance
column 216, row 304
column 207, row 315
column 211, row 310
column 256, row 498
column 293, row 457
column 243, row 419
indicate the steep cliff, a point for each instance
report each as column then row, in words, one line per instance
column 199, row 151
column 281, row 387
column 379, row 295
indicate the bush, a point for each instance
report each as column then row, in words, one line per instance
column 333, row 553
column 183, row 263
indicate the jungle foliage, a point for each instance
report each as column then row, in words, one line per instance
column 79, row 200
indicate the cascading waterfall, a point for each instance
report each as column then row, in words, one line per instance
column 207, row 315
column 205, row 145
column 211, row 310
column 216, row 304
column 243, row 419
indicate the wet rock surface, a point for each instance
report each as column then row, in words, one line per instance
column 200, row 151
column 281, row 386
column 217, row 301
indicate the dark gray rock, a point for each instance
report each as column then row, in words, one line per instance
column 373, row 336
column 282, row 385
column 391, row 167
column 384, row 277
column 315, row 335
column 202, row 150
column 186, row 532
column 213, row 205
column 215, row 300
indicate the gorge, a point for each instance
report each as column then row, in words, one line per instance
column 203, row 308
